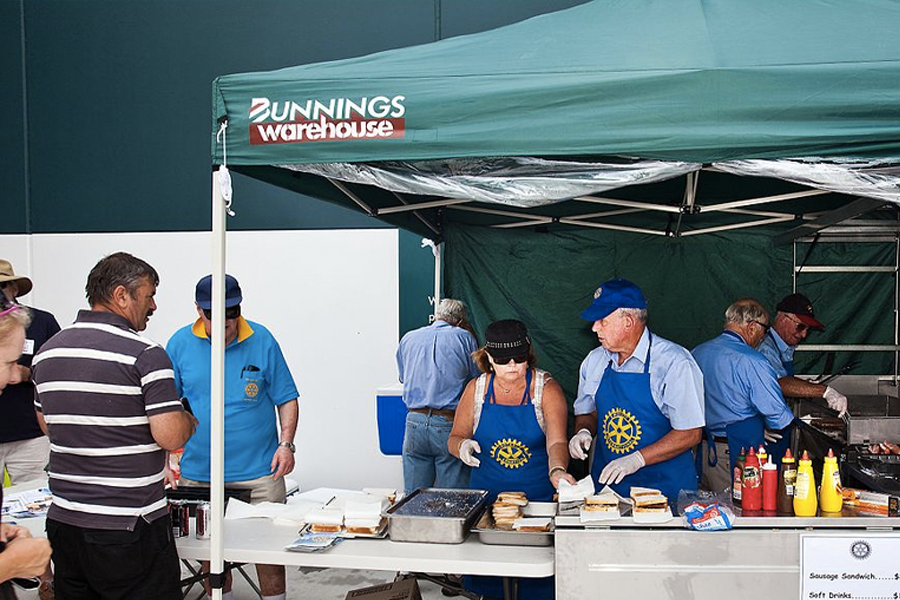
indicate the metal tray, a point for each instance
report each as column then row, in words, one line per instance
column 435, row 515
column 487, row 534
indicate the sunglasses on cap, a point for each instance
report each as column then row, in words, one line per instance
column 231, row 313
column 6, row 306
column 517, row 359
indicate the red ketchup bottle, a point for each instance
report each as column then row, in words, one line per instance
column 751, row 483
column 769, row 486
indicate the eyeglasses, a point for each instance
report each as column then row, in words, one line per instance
column 231, row 313
column 801, row 326
column 765, row 326
column 6, row 306
column 517, row 359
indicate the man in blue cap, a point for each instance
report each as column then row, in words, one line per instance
column 258, row 384
column 641, row 395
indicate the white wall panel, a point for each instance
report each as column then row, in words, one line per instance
column 330, row 297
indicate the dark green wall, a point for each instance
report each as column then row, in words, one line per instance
column 105, row 117
column 118, row 98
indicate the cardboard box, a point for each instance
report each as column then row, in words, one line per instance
column 873, row 503
column 405, row 589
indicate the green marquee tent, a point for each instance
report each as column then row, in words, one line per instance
column 614, row 129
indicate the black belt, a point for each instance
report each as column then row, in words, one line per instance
column 720, row 440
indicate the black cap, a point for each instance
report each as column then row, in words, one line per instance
column 506, row 339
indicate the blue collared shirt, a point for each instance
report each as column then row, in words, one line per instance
column 435, row 363
column 778, row 353
column 739, row 383
column 675, row 380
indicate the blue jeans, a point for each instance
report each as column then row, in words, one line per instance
column 426, row 460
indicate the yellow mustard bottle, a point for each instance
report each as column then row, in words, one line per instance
column 805, row 504
column 831, row 500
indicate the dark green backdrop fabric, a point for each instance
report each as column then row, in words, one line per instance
column 547, row 279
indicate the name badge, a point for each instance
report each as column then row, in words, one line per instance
column 29, row 347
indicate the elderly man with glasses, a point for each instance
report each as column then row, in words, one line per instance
column 742, row 397
column 258, row 385
column 793, row 322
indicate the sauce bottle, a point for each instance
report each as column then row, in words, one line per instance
column 769, row 487
column 831, row 500
column 805, row 503
column 786, row 481
column 738, row 476
column 751, row 484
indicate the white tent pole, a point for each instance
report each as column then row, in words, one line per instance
column 217, row 388
column 438, row 248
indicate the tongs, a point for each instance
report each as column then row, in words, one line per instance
column 823, row 379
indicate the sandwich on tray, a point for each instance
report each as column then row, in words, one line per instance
column 325, row 520
column 605, row 502
column 649, row 500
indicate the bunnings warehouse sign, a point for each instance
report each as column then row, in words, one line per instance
column 335, row 119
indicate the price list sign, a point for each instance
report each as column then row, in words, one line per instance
column 863, row 565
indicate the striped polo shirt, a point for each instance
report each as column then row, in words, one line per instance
column 98, row 381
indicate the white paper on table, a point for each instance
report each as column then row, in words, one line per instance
column 293, row 512
column 653, row 517
column 580, row 491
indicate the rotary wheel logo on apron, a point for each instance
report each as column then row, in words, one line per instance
column 251, row 390
column 510, row 453
column 621, row 430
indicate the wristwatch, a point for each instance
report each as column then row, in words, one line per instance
column 289, row 445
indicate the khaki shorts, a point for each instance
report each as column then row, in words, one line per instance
column 262, row 489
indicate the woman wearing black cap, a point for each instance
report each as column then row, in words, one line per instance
column 516, row 415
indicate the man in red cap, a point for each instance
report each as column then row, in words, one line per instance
column 793, row 321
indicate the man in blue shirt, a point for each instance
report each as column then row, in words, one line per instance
column 793, row 322
column 435, row 363
column 742, row 395
column 642, row 396
column 258, row 384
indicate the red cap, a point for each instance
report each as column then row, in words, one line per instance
column 787, row 453
column 800, row 306
column 830, row 453
column 751, row 452
column 805, row 455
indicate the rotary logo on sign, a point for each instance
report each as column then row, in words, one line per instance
column 251, row 390
column 621, row 430
column 510, row 453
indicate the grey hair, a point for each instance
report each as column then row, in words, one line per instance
column 746, row 310
column 21, row 317
column 450, row 310
column 639, row 314
column 114, row 270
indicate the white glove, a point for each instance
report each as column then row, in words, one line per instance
column 580, row 444
column 771, row 436
column 467, row 451
column 617, row 470
column 836, row 400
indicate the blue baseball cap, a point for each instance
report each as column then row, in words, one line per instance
column 203, row 293
column 613, row 295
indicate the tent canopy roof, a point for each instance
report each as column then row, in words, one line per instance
column 685, row 82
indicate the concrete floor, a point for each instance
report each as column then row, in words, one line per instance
column 325, row 584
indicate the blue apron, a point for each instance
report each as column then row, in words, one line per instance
column 513, row 458
column 628, row 420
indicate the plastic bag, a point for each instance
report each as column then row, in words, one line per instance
column 706, row 511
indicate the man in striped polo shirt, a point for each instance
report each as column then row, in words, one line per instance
column 106, row 398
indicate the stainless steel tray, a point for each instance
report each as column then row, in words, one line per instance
column 487, row 534
column 435, row 515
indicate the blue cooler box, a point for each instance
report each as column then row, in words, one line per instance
column 390, row 413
